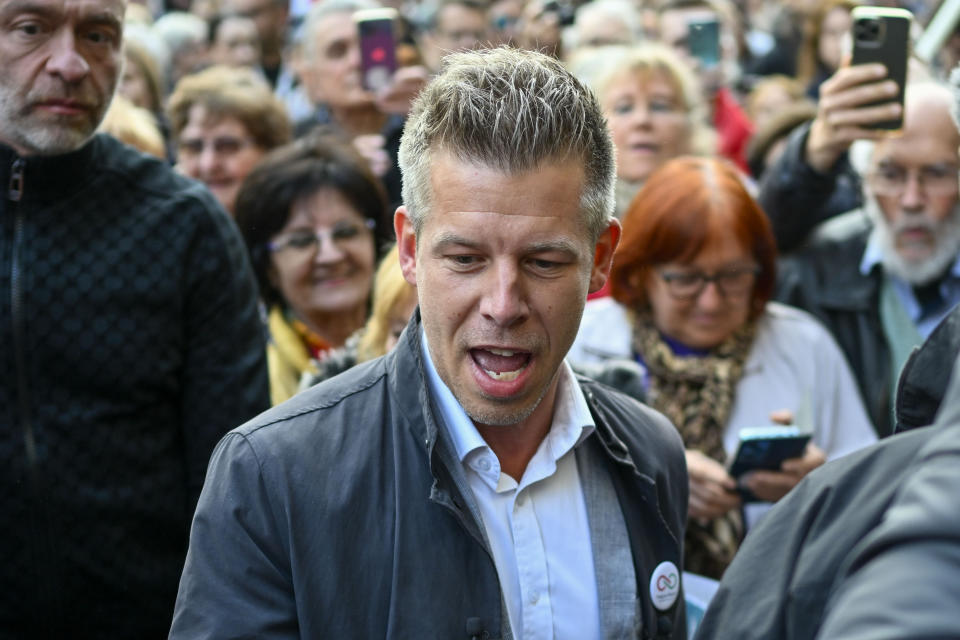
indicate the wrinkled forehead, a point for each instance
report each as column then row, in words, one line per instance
column 79, row 11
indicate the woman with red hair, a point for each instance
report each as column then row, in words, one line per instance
column 691, row 283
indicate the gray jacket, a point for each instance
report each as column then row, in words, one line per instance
column 343, row 513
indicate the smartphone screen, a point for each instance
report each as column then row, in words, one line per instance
column 378, row 56
column 703, row 42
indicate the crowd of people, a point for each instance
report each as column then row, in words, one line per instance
column 469, row 353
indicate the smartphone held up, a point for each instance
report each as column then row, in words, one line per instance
column 378, row 49
column 882, row 35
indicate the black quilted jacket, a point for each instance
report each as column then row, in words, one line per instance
column 129, row 344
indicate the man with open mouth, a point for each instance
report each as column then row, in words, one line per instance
column 468, row 484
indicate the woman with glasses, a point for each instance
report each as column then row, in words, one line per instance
column 691, row 284
column 654, row 109
column 223, row 121
column 314, row 219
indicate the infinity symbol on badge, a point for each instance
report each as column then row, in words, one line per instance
column 665, row 585
column 666, row 582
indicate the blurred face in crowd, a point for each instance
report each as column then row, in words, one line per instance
column 675, row 33
column 61, row 62
column 399, row 318
column 599, row 30
column 134, row 85
column 503, row 16
column 705, row 318
column 540, row 27
column 323, row 259
column 269, row 16
column 236, row 43
column 502, row 265
column 767, row 101
column 331, row 66
column 648, row 122
column 218, row 151
column 835, row 26
column 912, row 189
column 460, row 27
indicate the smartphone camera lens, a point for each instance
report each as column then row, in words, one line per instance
column 867, row 30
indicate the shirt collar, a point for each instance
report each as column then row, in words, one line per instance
column 572, row 421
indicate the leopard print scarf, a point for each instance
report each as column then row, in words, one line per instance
column 696, row 394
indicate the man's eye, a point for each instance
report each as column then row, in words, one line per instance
column 31, row 28
column 463, row 260
column 99, row 37
column 892, row 173
column 544, row 265
column 623, row 107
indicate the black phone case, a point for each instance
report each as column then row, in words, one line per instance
column 766, row 453
column 892, row 49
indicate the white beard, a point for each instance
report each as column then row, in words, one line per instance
column 946, row 233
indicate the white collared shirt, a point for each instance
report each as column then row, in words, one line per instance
column 538, row 528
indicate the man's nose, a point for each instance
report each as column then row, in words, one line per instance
column 64, row 60
column 504, row 301
column 913, row 196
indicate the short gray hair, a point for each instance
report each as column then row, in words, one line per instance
column 320, row 10
column 513, row 111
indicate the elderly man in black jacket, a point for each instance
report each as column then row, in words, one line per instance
column 129, row 340
column 880, row 278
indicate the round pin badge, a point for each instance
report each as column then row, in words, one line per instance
column 664, row 585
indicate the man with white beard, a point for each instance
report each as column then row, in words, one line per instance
column 882, row 281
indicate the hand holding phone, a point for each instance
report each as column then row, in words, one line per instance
column 712, row 491
column 770, row 486
column 863, row 100
column 882, row 35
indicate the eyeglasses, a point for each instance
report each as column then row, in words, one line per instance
column 222, row 145
column 939, row 179
column 735, row 282
column 305, row 241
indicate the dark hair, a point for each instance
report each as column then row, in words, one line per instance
column 677, row 213
column 296, row 171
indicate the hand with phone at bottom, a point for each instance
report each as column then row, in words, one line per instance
column 845, row 111
column 770, row 486
column 712, row 490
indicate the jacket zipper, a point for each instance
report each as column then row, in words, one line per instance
column 15, row 195
column 40, row 517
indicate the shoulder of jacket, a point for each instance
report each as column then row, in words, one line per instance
column 639, row 426
column 155, row 179
column 347, row 392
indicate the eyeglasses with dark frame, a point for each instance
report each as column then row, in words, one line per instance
column 734, row 282
column 939, row 179
column 306, row 241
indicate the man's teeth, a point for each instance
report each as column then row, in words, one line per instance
column 501, row 352
column 505, row 376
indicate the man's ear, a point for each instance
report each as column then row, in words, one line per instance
column 603, row 255
column 406, row 244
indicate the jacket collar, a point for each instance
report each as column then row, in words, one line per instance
column 51, row 178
